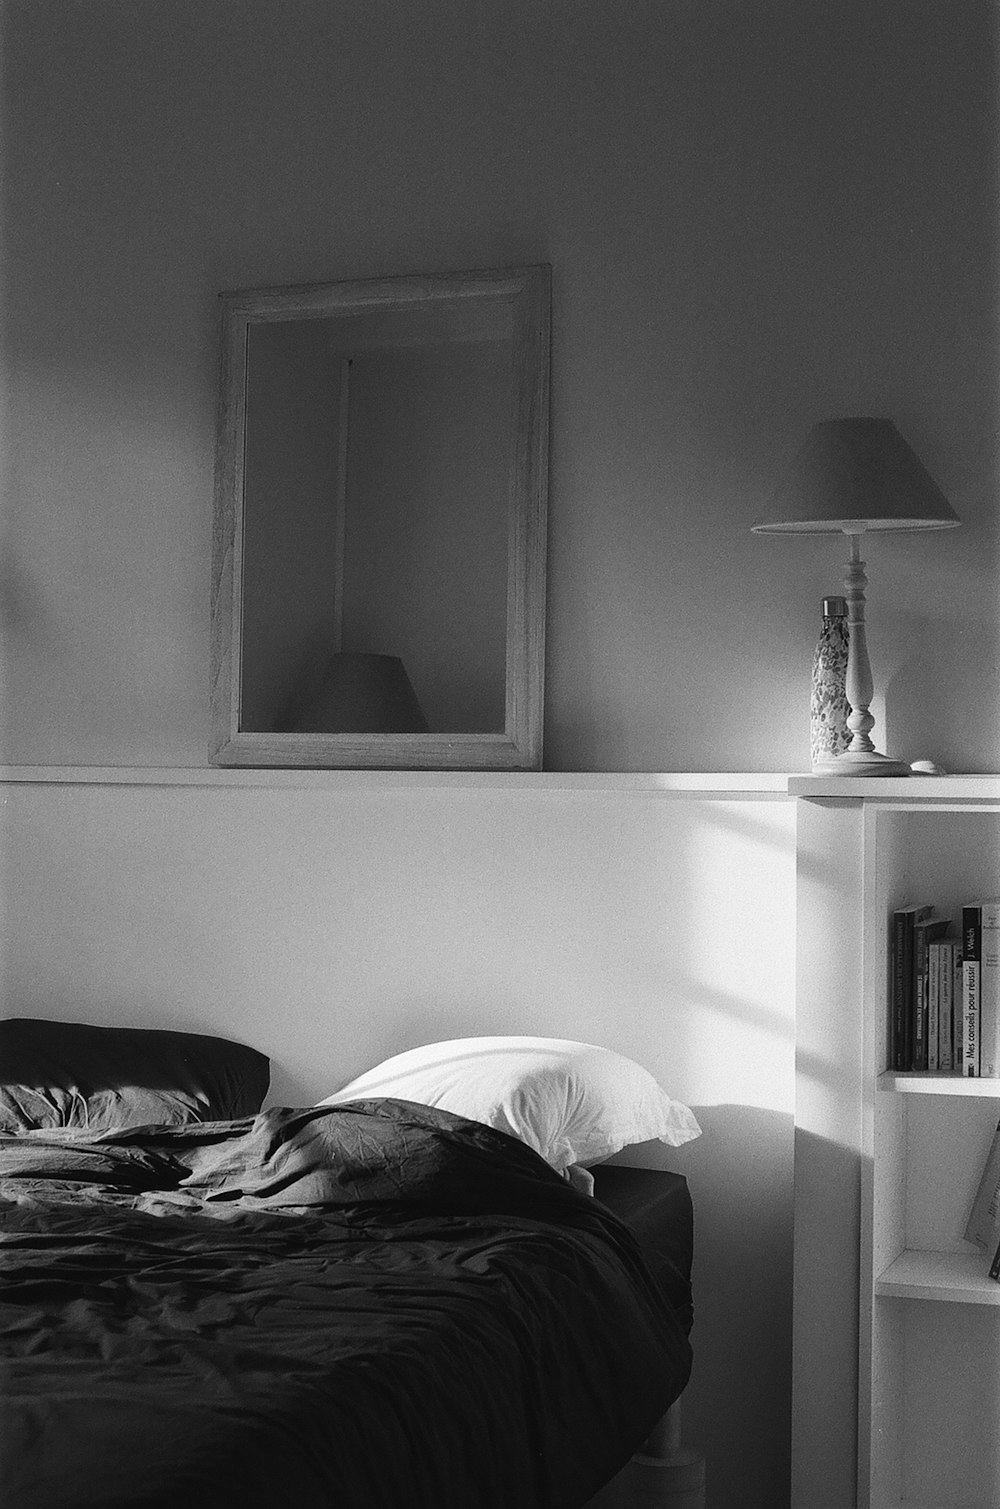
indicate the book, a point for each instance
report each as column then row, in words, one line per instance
column 995, row 1265
column 934, row 1005
column 953, row 990
column 925, row 931
column 971, row 940
column 983, row 1225
column 989, row 989
column 957, row 1046
column 904, row 920
column 981, row 984
column 943, row 951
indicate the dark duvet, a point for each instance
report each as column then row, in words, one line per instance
column 373, row 1305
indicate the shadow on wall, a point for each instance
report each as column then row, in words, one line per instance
column 826, row 1389
column 742, row 1247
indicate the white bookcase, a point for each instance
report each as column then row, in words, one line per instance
column 904, row 1150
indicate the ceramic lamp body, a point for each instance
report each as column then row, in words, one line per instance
column 860, row 758
column 828, row 705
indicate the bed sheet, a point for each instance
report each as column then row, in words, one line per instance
column 371, row 1305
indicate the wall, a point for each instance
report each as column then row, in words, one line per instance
column 331, row 922
column 757, row 216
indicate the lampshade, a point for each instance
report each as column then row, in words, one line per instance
column 359, row 693
column 855, row 475
column 852, row 476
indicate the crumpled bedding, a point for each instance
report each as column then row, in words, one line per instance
column 369, row 1306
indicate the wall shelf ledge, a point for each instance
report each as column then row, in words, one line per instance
column 752, row 785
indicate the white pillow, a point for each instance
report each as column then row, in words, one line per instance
column 571, row 1102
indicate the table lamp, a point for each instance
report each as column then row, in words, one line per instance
column 852, row 476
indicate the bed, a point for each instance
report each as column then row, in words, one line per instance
column 375, row 1301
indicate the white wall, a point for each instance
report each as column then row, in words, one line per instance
column 758, row 215
column 332, row 924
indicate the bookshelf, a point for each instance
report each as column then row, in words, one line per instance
column 886, row 1167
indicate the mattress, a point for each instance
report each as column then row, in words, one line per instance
column 656, row 1205
column 375, row 1305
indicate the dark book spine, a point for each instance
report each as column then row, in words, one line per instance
column 995, row 1265
column 971, row 953
column 919, row 999
column 957, row 1026
column 907, row 993
column 897, row 987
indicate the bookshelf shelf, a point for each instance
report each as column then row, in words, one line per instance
column 918, row 1083
column 911, row 790
column 953, row 1277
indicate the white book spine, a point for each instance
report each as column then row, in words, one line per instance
column 989, row 991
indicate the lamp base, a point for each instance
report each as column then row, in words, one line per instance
column 860, row 763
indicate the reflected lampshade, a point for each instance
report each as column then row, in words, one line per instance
column 359, row 694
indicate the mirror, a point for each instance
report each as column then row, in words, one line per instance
column 378, row 591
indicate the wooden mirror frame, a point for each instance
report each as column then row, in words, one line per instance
column 519, row 747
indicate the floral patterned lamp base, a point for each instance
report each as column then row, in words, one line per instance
column 860, row 758
column 829, row 735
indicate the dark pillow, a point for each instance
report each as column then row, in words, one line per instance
column 69, row 1074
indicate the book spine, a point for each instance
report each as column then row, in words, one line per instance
column 946, row 992
column 957, row 1041
column 989, row 990
column 897, row 987
column 995, row 1265
column 901, row 985
column 919, row 1007
column 971, row 925
column 934, row 1007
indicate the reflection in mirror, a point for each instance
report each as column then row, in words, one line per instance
column 379, row 541
column 357, row 693
column 385, row 442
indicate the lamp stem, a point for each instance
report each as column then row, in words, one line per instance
column 859, row 685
